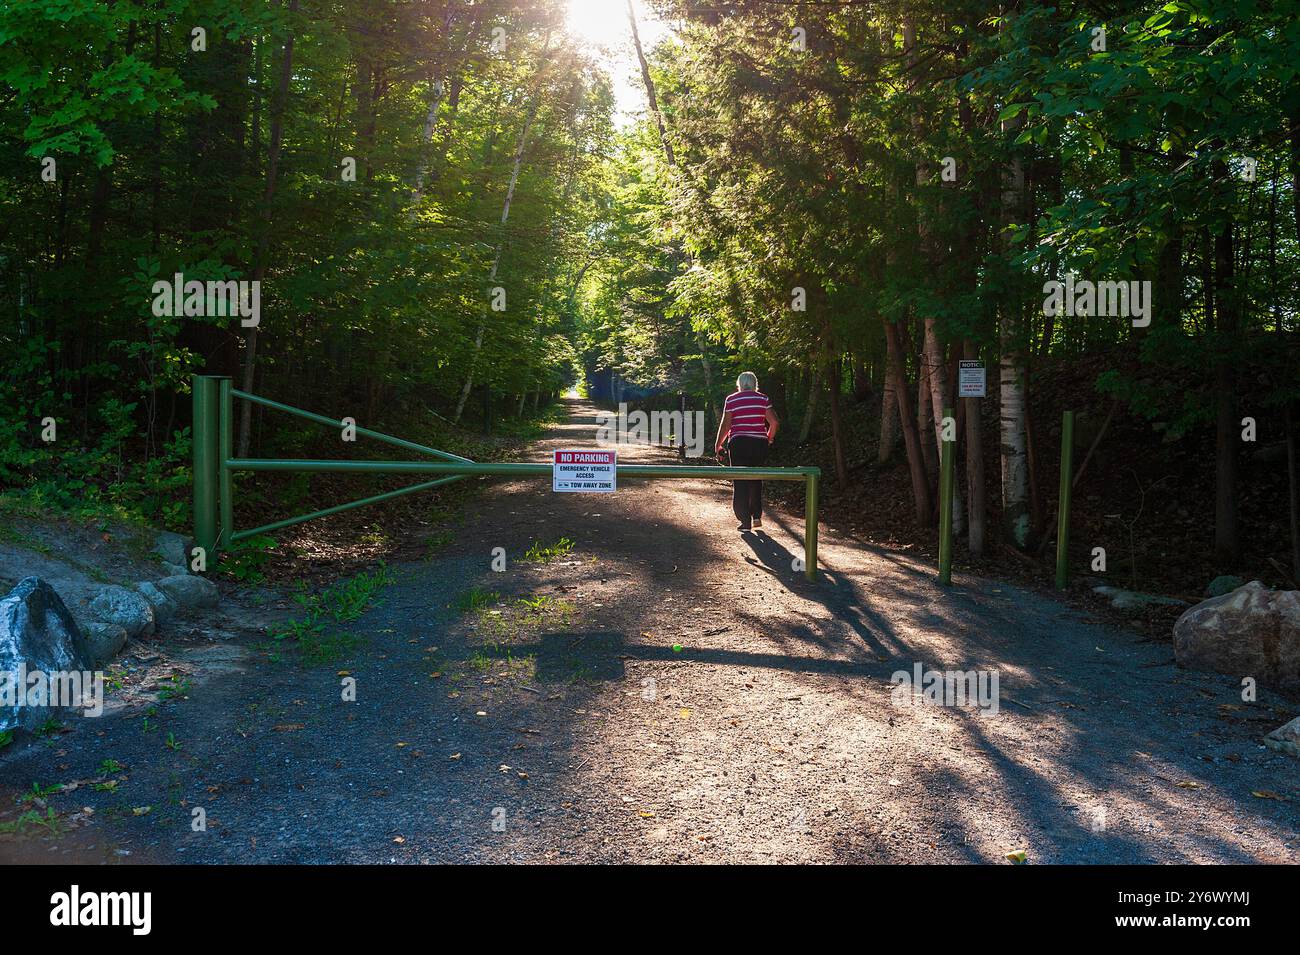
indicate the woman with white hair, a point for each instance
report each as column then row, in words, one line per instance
column 748, row 427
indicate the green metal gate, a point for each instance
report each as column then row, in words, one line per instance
column 214, row 463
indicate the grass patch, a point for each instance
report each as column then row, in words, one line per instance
column 501, row 626
column 540, row 553
column 175, row 686
column 476, row 599
column 33, row 820
column 318, row 643
column 328, row 648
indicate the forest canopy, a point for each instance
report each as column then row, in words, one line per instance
column 444, row 210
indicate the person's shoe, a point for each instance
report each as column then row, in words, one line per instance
column 757, row 524
column 742, row 527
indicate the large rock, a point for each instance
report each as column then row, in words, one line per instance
column 126, row 608
column 104, row 640
column 1251, row 632
column 1286, row 738
column 189, row 591
column 172, row 548
column 164, row 608
column 37, row 634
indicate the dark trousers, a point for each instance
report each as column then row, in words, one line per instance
column 747, row 496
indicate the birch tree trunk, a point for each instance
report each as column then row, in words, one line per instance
column 426, row 138
column 1011, row 364
column 505, row 216
column 975, row 463
column 1011, row 367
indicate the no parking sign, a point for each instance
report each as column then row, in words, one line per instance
column 582, row 470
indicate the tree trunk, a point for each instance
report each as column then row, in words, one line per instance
column 264, row 240
column 861, row 380
column 975, row 463
column 1011, row 368
column 651, row 99
column 1293, row 485
column 1227, row 544
column 834, row 383
column 934, row 378
column 888, row 420
column 505, row 215
column 940, row 398
column 924, row 422
column 810, row 409
column 911, row 438
column 439, row 88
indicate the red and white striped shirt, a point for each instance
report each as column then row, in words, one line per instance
column 748, row 410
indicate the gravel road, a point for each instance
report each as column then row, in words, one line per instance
column 670, row 690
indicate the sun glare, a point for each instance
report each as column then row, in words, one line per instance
column 603, row 22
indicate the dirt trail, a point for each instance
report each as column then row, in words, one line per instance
column 772, row 736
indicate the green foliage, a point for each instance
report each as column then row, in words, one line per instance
column 545, row 553
column 33, row 820
column 246, row 559
column 475, row 599
column 318, row 643
column 374, row 294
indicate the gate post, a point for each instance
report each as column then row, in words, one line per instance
column 810, row 524
column 225, row 443
column 681, row 438
column 204, row 437
column 1063, row 501
column 945, row 504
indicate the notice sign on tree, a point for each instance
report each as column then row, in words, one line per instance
column 585, row 471
column 970, row 379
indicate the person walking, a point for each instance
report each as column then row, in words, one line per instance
column 748, row 428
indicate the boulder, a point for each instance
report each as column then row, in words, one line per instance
column 126, row 608
column 1224, row 584
column 37, row 634
column 189, row 590
column 172, row 548
column 164, row 608
column 104, row 640
column 1285, row 739
column 1251, row 632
